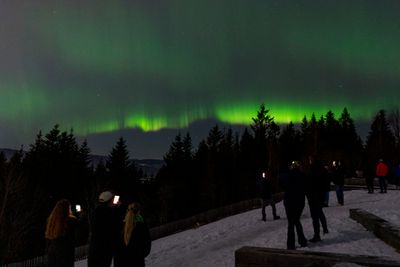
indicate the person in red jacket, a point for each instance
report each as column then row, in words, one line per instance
column 382, row 171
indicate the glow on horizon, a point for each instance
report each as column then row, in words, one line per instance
column 232, row 114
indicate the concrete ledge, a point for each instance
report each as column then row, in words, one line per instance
column 383, row 229
column 272, row 257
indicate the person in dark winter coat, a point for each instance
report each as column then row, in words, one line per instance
column 135, row 241
column 316, row 188
column 369, row 181
column 105, row 230
column 60, row 235
column 266, row 196
column 294, row 186
column 338, row 174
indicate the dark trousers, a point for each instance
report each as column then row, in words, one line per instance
column 397, row 182
column 339, row 194
column 382, row 184
column 100, row 255
column 317, row 215
column 264, row 204
column 293, row 215
column 370, row 184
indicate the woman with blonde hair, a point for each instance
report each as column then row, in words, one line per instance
column 136, row 242
column 60, row 234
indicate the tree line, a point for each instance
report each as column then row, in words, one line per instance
column 221, row 170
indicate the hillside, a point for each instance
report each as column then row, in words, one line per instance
column 214, row 244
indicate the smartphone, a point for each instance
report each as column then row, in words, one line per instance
column 78, row 208
column 263, row 174
column 116, row 199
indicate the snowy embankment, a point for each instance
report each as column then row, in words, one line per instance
column 214, row 244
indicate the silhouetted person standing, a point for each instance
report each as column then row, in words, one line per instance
column 316, row 181
column 294, row 185
column 135, row 244
column 105, row 231
column 382, row 171
column 338, row 174
column 61, row 235
column 266, row 196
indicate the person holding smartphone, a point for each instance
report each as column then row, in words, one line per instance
column 266, row 197
column 105, row 230
column 61, row 235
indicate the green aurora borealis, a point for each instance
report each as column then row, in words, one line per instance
column 102, row 66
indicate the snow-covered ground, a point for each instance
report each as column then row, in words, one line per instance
column 214, row 244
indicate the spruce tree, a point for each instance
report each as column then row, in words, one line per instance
column 122, row 171
column 289, row 146
column 394, row 121
column 380, row 140
column 260, row 126
column 351, row 146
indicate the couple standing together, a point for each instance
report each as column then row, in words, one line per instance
column 297, row 185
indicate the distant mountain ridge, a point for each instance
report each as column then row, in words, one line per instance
column 149, row 166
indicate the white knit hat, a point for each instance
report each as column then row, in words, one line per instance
column 105, row 196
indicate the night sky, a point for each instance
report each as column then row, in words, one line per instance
column 144, row 69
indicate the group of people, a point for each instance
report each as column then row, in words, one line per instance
column 118, row 235
column 383, row 173
column 299, row 184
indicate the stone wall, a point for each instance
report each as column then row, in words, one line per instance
column 272, row 257
column 383, row 229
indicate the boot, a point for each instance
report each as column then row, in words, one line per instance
column 315, row 239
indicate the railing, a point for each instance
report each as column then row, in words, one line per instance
column 80, row 254
column 167, row 229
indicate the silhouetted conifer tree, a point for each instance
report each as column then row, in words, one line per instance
column 122, row 171
column 176, row 179
column 187, row 148
column 19, row 214
column 289, row 146
column 330, row 138
column 351, row 147
column 380, row 141
column 260, row 126
column 227, row 177
column 394, row 122
column 247, row 165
